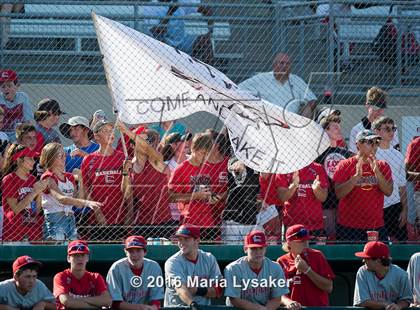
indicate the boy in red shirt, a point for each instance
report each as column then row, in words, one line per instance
column 190, row 186
column 360, row 184
column 308, row 272
column 270, row 205
column 217, row 167
column 77, row 288
column 303, row 193
column 105, row 179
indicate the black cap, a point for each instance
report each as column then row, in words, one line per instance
column 49, row 105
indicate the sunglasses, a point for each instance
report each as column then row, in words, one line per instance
column 135, row 243
column 78, row 247
column 183, row 232
column 301, row 233
column 389, row 129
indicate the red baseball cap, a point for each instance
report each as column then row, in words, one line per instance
column 26, row 152
column 78, row 247
column 8, row 75
column 374, row 249
column 297, row 232
column 188, row 231
column 22, row 261
column 139, row 130
column 135, row 242
column 255, row 239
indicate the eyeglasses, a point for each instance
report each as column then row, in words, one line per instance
column 370, row 142
column 389, row 129
column 135, row 243
column 78, row 247
column 303, row 232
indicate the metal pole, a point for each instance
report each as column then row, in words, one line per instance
column 331, row 47
column 400, row 30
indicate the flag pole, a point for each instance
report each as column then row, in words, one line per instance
column 114, row 107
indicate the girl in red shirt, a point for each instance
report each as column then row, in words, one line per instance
column 21, row 196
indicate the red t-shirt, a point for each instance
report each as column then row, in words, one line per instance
column 303, row 207
column 362, row 208
column 102, row 180
column 219, row 184
column 413, row 157
column 268, row 190
column 341, row 143
column 91, row 284
column 12, row 116
column 302, row 289
column 27, row 222
column 150, row 187
column 187, row 178
column 40, row 142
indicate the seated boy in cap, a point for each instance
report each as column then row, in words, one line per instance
column 310, row 275
column 193, row 276
column 77, row 288
column 24, row 290
column 134, row 281
column 247, row 278
column 379, row 283
column 16, row 105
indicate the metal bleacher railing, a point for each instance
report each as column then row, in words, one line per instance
column 53, row 44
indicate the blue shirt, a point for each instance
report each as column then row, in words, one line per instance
column 76, row 161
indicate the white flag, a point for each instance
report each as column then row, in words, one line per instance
column 152, row 82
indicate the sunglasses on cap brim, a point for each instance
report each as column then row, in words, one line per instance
column 135, row 244
column 78, row 248
column 301, row 233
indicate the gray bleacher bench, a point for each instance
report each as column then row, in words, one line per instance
column 356, row 29
column 79, row 29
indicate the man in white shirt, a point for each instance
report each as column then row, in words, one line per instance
column 282, row 88
column 376, row 103
column 395, row 206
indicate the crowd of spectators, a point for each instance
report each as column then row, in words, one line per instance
column 162, row 175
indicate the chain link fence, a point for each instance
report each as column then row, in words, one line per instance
column 347, row 65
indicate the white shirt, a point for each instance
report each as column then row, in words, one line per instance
column 288, row 95
column 358, row 128
column 395, row 160
column 51, row 205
